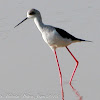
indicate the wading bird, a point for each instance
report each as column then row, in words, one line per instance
column 54, row 37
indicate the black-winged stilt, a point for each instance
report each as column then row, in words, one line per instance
column 54, row 37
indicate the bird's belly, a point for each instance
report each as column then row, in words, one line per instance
column 55, row 41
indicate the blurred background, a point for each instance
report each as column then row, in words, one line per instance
column 28, row 68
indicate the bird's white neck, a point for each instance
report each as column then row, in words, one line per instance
column 39, row 23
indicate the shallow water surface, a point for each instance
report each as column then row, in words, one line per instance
column 28, row 68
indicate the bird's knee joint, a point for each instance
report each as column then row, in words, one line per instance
column 77, row 61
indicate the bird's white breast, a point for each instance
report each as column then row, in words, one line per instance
column 51, row 36
column 53, row 39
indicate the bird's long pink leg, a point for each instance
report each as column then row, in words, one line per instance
column 76, row 92
column 75, row 66
column 59, row 75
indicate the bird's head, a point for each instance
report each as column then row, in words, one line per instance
column 33, row 13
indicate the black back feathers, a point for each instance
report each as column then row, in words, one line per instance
column 65, row 34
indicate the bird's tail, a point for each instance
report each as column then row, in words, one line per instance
column 84, row 40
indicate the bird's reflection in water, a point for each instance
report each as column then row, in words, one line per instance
column 76, row 92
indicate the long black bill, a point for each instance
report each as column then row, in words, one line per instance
column 21, row 22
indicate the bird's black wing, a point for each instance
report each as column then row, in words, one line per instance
column 65, row 34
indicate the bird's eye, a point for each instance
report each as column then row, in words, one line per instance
column 32, row 13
